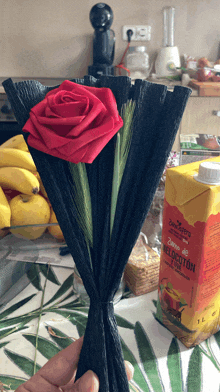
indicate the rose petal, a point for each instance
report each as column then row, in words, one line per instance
column 74, row 122
column 75, row 106
column 96, row 136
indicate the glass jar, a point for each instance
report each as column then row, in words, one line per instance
column 137, row 61
column 81, row 291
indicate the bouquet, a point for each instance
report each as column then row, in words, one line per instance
column 95, row 143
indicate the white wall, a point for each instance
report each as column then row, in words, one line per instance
column 53, row 38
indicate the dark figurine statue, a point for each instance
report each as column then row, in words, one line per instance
column 101, row 18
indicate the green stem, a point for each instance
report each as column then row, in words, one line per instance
column 39, row 320
column 35, row 313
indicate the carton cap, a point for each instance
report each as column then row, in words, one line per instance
column 209, row 173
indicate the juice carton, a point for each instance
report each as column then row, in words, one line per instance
column 189, row 280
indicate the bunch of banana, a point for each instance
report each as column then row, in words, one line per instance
column 17, row 142
column 17, row 172
column 20, row 184
column 5, row 211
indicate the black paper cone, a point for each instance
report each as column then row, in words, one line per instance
column 156, row 119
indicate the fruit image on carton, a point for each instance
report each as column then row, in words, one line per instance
column 188, row 292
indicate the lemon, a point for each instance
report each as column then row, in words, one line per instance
column 26, row 210
column 55, row 231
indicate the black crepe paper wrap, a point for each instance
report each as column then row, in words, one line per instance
column 156, row 119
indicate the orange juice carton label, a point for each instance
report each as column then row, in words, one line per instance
column 189, row 280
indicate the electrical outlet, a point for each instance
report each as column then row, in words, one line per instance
column 143, row 33
column 140, row 33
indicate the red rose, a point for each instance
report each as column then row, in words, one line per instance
column 74, row 122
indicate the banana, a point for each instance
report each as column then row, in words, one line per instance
column 19, row 179
column 22, row 146
column 15, row 142
column 5, row 211
column 16, row 158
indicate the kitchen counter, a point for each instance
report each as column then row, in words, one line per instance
column 56, row 81
column 162, row 364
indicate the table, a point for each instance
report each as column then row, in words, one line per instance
column 162, row 364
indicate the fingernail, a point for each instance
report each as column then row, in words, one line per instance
column 90, row 382
column 130, row 367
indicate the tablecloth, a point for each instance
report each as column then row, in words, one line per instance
column 161, row 362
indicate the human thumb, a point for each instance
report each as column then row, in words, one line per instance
column 89, row 382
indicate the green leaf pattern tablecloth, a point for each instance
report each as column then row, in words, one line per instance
column 162, row 363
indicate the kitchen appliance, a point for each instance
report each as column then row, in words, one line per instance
column 137, row 62
column 101, row 18
column 168, row 59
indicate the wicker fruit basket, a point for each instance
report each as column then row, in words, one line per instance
column 142, row 270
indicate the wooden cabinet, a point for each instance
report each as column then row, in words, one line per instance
column 199, row 118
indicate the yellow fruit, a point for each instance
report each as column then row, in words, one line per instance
column 15, row 142
column 55, row 231
column 5, row 211
column 22, row 146
column 26, row 210
column 20, row 179
column 16, row 158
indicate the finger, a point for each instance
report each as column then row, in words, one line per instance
column 70, row 386
column 89, row 382
column 60, row 369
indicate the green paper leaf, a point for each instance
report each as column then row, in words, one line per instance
column 174, row 366
column 50, row 275
column 115, row 181
column 194, row 376
column 25, row 364
column 138, row 376
column 82, row 199
column 126, row 134
column 34, row 276
column 61, row 339
column 122, row 147
column 15, row 306
column 62, row 290
column 122, row 322
column 11, row 382
column 148, row 358
column 45, row 347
